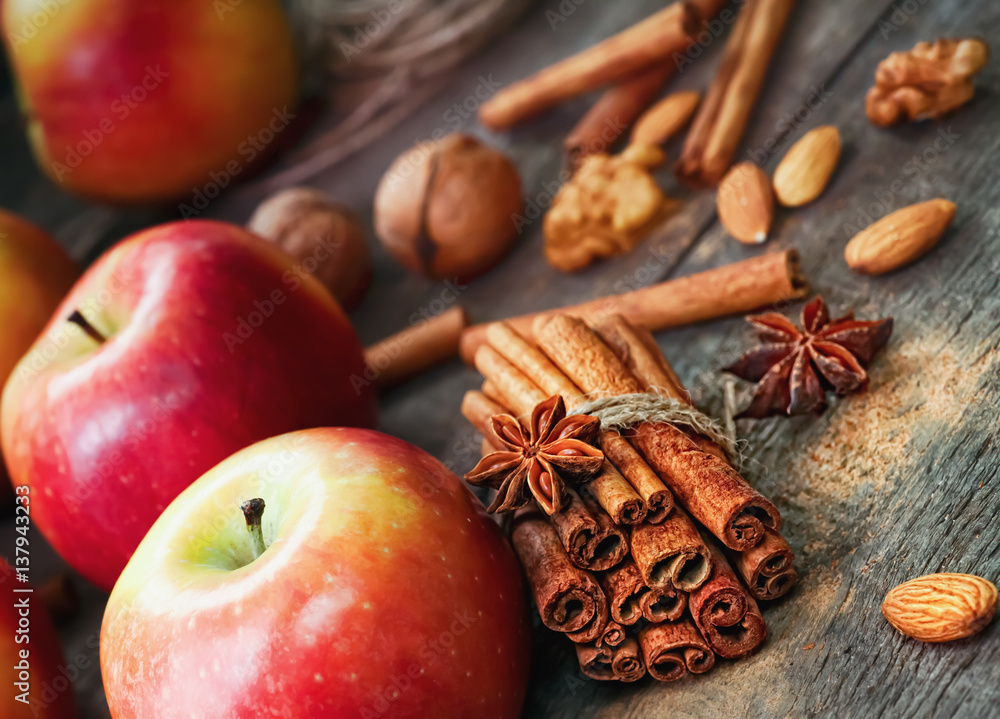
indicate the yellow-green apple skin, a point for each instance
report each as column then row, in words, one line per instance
column 211, row 342
column 136, row 101
column 384, row 591
column 29, row 644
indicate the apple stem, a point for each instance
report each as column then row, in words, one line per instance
column 81, row 321
column 253, row 509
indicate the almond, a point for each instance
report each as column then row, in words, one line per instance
column 746, row 203
column 806, row 168
column 662, row 121
column 941, row 607
column 899, row 238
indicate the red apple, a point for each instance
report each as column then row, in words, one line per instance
column 35, row 274
column 198, row 339
column 384, row 591
column 31, row 658
column 138, row 101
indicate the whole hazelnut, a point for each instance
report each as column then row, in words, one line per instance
column 447, row 208
column 325, row 238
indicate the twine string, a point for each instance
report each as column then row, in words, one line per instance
column 626, row 411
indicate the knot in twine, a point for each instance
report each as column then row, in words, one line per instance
column 625, row 411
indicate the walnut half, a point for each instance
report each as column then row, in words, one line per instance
column 926, row 82
column 605, row 209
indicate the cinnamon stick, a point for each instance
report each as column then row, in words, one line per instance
column 520, row 394
column 671, row 553
column 417, row 348
column 595, row 661
column 478, row 409
column 626, row 661
column 726, row 616
column 654, row 39
column 733, row 289
column 673, row 649
column 569, row 599
column 595, row 629
column 492, row 392
column 614, row 634
column 589, row 545
column 583, row 357
column 719, row 125
column 612, row 540
column 638, row 351
column 767, row 568
column 654, row 493
column 616, row 496
column 625, row 589
column 712, row 491
column 708, row 9
column 533, row 363
column 663, row 605
column 614, row 112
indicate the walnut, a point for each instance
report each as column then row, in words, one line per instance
column 605, row 209
column 926, row 82
column 324, row 238
column 445, row 208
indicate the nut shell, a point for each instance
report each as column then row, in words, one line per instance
column 325, row 238
column 448, row 208
column 941, row 607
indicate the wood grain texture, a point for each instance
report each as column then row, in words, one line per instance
column 882, row 488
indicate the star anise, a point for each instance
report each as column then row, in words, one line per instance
column 539, row 458
column 795, row 368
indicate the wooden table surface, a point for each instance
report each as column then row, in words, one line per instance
column 883, row 487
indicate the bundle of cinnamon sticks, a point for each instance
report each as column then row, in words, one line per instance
column 656, row 564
